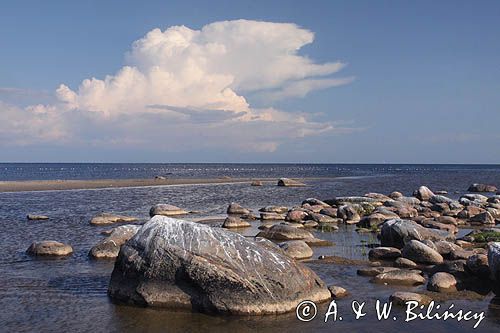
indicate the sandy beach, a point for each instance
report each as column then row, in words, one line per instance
column 51, row 185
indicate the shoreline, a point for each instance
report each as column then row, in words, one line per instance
column 74, row 184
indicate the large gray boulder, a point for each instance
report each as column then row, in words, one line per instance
column 184, row 265
column 396, row 231
column 423, row 193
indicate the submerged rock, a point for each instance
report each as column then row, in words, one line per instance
column 49, row 248
column 166, row 210
column 183, row 265
column 375, row 270
column 402, row 297
column 400, row 277
column 289, row 182
column 109, row 218
column 34, row 217
column 256, row 183
column 109, row 247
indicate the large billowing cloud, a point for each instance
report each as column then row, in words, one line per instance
column 190, row 86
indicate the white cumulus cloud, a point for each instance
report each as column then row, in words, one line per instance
column 196, row 79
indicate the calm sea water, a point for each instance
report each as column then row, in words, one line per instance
column 40, row 295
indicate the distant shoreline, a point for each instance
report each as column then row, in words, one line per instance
column 57, row 185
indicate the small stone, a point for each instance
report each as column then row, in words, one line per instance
column 34, row 217
column 402, row 297
column 235, row 208
column 297, row 249
column 404, row 263
column 49, row 248
column 442, row 282
column 109, row 218
column 337, row 292
column 234, row 222
column 289, row 182
column 374, row 271
column 166, row 210
column 256, row 183
column 400, row 277
column 384, row 252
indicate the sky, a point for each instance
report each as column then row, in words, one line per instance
column 250, row 81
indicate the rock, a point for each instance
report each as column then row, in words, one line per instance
column 477, row 264
column 402, row 297
column 183, row 265
column 482, row 188
column 160, row 177
column 337, row 292
column 109, row 247
column 375, row 270
column 400, row 277
column 265, row 216
column 256, row 183
column 431, row 223
column 317, row 242
column 315, row 202
column 109, row 218
column 284, row 232
column 494, row 260
column 320, row 218
column 454, row 267
column 445, row 248
column 384, row 252
column 419, row 252
column 166, row 210
column 372, row 220
column 409, row 201
column 310, row 224
column 441, row 192
column 49, row 248
column 442, row 282
column 377, row 196
column 348, row 213
column 469, row 212
column 338, row 201
column 329, row 211
column 475, row 197
column 447, row 220
column 274, row 209
column 395, row 232
column 394, row 195
column 404, row 263
column 234, row 222
column 296, row 216
column 314, row 209
column 289, row 182
column 482, row 218
column 297, row 249
column 34, row 217
column 437, row 199
column 460, row 254
column 235, row 208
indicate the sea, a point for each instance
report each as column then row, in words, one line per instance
column 70, row 294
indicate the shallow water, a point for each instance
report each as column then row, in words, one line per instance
column 70, row 294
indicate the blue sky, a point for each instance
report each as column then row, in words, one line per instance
column 420, row 84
